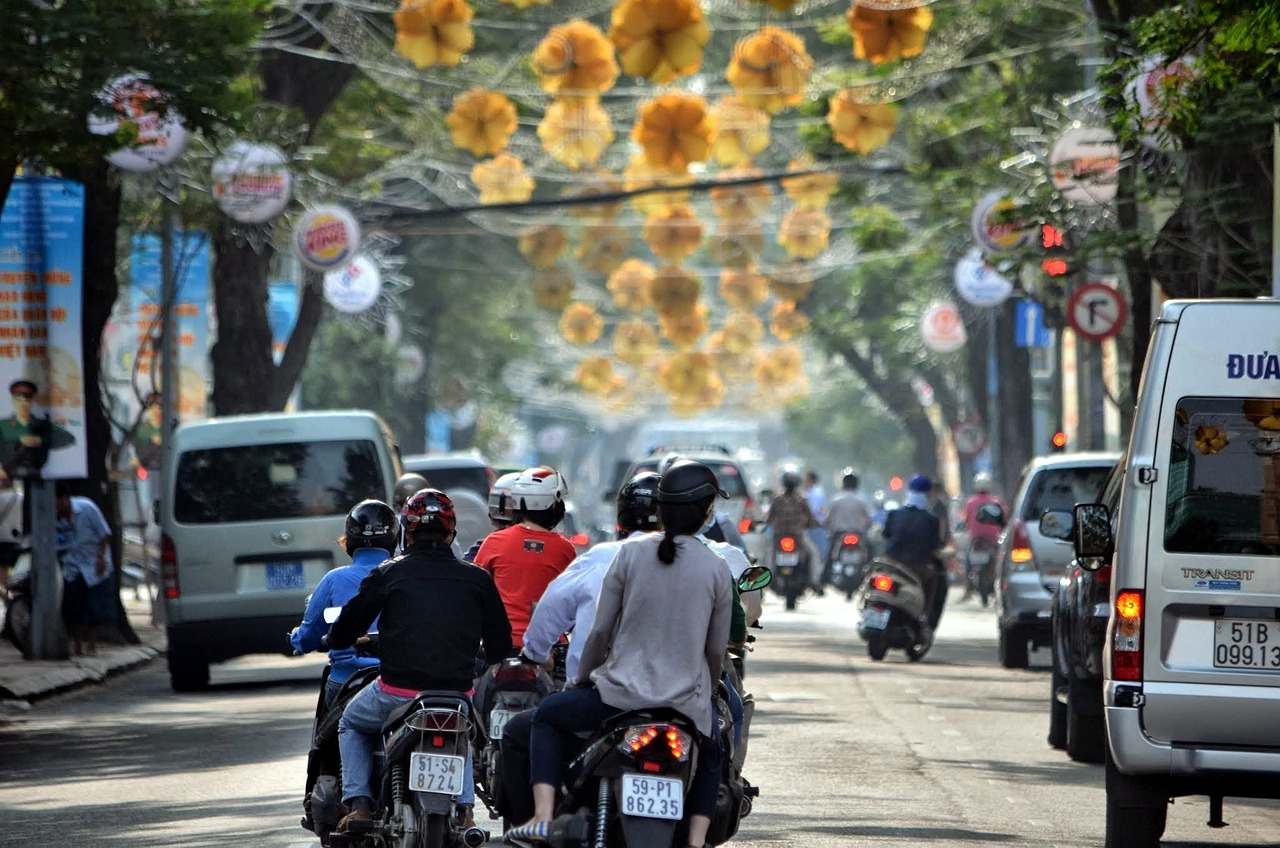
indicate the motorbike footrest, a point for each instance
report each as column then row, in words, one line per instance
column 751, row 791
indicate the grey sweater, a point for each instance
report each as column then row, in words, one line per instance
column 660, row 630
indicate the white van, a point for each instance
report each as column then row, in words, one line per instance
column 1192, row 658
column 253, row 508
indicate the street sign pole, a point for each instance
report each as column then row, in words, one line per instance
column 169, row 386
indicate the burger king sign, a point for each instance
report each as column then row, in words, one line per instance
column 327, row 238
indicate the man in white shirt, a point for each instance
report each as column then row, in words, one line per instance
column 847, row 513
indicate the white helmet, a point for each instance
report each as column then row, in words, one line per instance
column 539, row 488
column 500, row 506
column 982, row 482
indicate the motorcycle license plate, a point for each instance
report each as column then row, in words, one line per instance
column 498, row 722
column 652, row 797
column 850, row 556
column 979, row 557
column 875, row 619
column 792, row 558
column 439, row 774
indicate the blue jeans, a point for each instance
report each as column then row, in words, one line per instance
column 737, row 710
column 360, row 729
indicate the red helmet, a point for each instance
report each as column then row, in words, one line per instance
column 428, row 508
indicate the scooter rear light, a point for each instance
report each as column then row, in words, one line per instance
column 882, row 583
column 787, row 544
column 851, row 539
column 434, row 720
column 651, row 766
column 744, row 526
column 639, row 738
column 514, row 670
column 169, row 568
column 1126, row 637
column 580, row 539
column 1020, row 556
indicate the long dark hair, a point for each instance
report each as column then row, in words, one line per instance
column 679, row 519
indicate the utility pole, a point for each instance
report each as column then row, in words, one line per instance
column 169, row 386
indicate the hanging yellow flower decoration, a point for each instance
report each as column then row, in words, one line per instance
column 777, row 367
column 634, row 341
column 886, row 35
column 743, row 289
column 687, row 372
column 434, row 32
column 787, row 321
column 742, row 332
column 736, row 244
column 630, row 284
column 707, row 397
column 684, row 328
column 810, row 191
column 791, row 281
column 639, row 174
column 659, row 39
column 542, row 246
column 769, row 69
column 804, row 235
column 481, row 121
column 674, row 234
column 525, row 4
column 594, row 375
column 674, row 290
column 745, row 201
column 742, row 131
column 789, row 360
column 600, row 183
column 502, row 179
column 861, row 127
column 553, row 288
column 734, row 365
column 575, row 60
column 604, row 247
column 581, row 324
column 575, row 132
column 675, row 130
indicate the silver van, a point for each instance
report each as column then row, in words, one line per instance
column 1191, row 688
column 253, row 508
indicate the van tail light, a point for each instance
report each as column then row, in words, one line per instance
column 1020, row 556
column 882, row 583
column 851, row 539
column 1126, row 636
column 169, row 568
column 787, row 544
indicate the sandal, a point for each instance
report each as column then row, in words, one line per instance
column 528, row 834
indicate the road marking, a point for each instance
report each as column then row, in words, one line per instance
column 783, row 697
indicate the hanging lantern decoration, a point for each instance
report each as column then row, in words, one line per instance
column 553, row 288
column 810, row 192
column 742, row 132
column 736, row 244
column 674, row 130
column 575, row 132
column 804, row 235
column 595, row 375
column 786, row 321
column 674, row 234
column 581, row 324
column 791, row 281
column 674, row 290
column 604, row 247
column 770, row 69
column 634, row 341
column 743, row 331
column 434, row 32
column 887, row 35
column 685, row 327
column 481, row 121
column 744, row 201
column 659, row 39
column 860, row 126
column 502, row 179
column 542, row 246
column 745, row 289
column 639, row 174
column 599, row 183
column 575, row 60
column 630, row 285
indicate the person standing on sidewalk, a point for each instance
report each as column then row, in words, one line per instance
column 84, row 551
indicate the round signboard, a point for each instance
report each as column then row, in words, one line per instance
column 1150, row 90
column 410, row 363
column 160, row 136
column 979, row 283
column 354, row 287
column 326, row 238
column 999, row 224
column 942, row 328
column 969, row 437
column 1084, row 165
column 1097, row 311
column 251, row 182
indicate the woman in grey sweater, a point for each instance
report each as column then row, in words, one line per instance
column 661, row 626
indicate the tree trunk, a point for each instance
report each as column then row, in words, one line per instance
column 1013, row 387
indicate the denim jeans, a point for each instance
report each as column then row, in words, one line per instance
column 737, row 710
column 360, row 729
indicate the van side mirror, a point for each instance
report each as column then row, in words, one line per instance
column 1092, row 531
column 1056, row 524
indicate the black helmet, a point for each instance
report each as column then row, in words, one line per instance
column 638, row 503
column 849, row 480
column 406, row 486
column 687, row 481
column 372, row 524
column 790, row 479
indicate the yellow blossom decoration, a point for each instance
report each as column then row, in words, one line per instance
column 736, row 244
column 810, row 191
column 640, row 175
column 674, row 290
column 742, row 131
column 604, row 247
column 769, row 69
column 525, row 4
column 634, row 341
column 684, row 328
column 434, row 32
column 575, row 132
column 791, row 281
column 745, row 201
column 659, row 39
column 674, row 234
column 734, row 365
column 674, row 130
column 630, row 284
column 553, row 288
column 502, row 179
column 599, row 183
column 706, row 397
column 779, row 366
column 481, row 121
column 687, row 372
column 804, row 235
column 580, row 323
column 742, row 332
column 859, row 126
column 787, row 321
column 542, row 246
column 743, row 289
column 575, row 60
column 595, row 375
column 886, row 35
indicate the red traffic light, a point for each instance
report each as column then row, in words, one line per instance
column 1050, row 236
column 1055, row 267
column 895, row 483
column 1059, row 440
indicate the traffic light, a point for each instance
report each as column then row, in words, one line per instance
column 1057, row 259
column 1059, row 442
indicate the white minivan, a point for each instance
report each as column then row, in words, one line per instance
column 252, row 511
column 1192, row 658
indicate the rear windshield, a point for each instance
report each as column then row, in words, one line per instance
column 476, row 479
column 726, row 472
column 270, row 482
column 1062, row 489
column 1224, row 477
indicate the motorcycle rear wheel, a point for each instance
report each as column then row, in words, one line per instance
column 433, row 831
column 17, row 622
column 877, row 650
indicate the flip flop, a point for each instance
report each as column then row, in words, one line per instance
column 528, row 835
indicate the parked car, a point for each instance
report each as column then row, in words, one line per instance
column 1081, row 608
column 1028, row 563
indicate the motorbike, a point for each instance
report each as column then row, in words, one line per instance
column 515, row 686
column 893, row 600
column 322, row 797
column 17, row 614
column 979, row 561
column 849, row 559
column 791, row 568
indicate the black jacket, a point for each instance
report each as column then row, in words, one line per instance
column 912, row 535
column 435, row 612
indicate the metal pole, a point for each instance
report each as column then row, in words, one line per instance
column 993, row 399
column 169, row 386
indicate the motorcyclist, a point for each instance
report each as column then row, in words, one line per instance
column 789, row 515
column 407, row 485
column 988, row 533
column 848, row 513
column 501, row 512
column 913, row 536
column 434, row 612
column 720, row 527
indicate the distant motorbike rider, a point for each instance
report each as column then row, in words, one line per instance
column 789, row 515
column 434, row 613
column 848, row 513
column 501, row 512
column 406, row 485
column 719, row 527
column 977, row 530
column 913, row 535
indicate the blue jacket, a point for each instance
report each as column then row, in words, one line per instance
column 334, row 590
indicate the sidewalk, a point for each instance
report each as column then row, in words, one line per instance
column 24, row 681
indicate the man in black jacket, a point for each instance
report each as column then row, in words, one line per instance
column 433, row 612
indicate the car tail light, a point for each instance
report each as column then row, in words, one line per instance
column 882, row 583
column 851, row 539
column 169, row 568
column 744, row 526
column 580, row 539
column 1126, row 638
column 1020, row 556
column 787, row 544
column 1103, row 576
column 676, row 740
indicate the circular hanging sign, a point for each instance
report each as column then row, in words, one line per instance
column 1097, row 311
column 942, row 328
column 969, row 437
column 979, row 283
column 410, row 363
column 160, row 136
column 1000, row 225
column 1084, row 165
column 251, row 182
column 327, row 238
column 1150, row 90
column 354, row 287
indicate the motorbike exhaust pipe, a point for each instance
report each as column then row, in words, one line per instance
column 473, row 837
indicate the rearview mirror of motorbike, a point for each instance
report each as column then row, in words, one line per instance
column 754, row 578
column 990, row 514
column 331, row 614
column 1056, row 524
column 1092, row 533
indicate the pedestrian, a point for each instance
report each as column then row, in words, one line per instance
column 84, row 551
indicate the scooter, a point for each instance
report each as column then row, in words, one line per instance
column 790, row 568
column 513, row 687
column 893, row 613
column 322, row 798
column 979, row 568
column 17, row 614
column 848, row 561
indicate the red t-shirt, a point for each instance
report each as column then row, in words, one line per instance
column 523, row 562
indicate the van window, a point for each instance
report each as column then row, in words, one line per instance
column 726, row 472
column 274, row 481
column 1224, row 477
column 1063, row 488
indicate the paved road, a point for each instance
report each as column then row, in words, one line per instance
column 847, row 752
